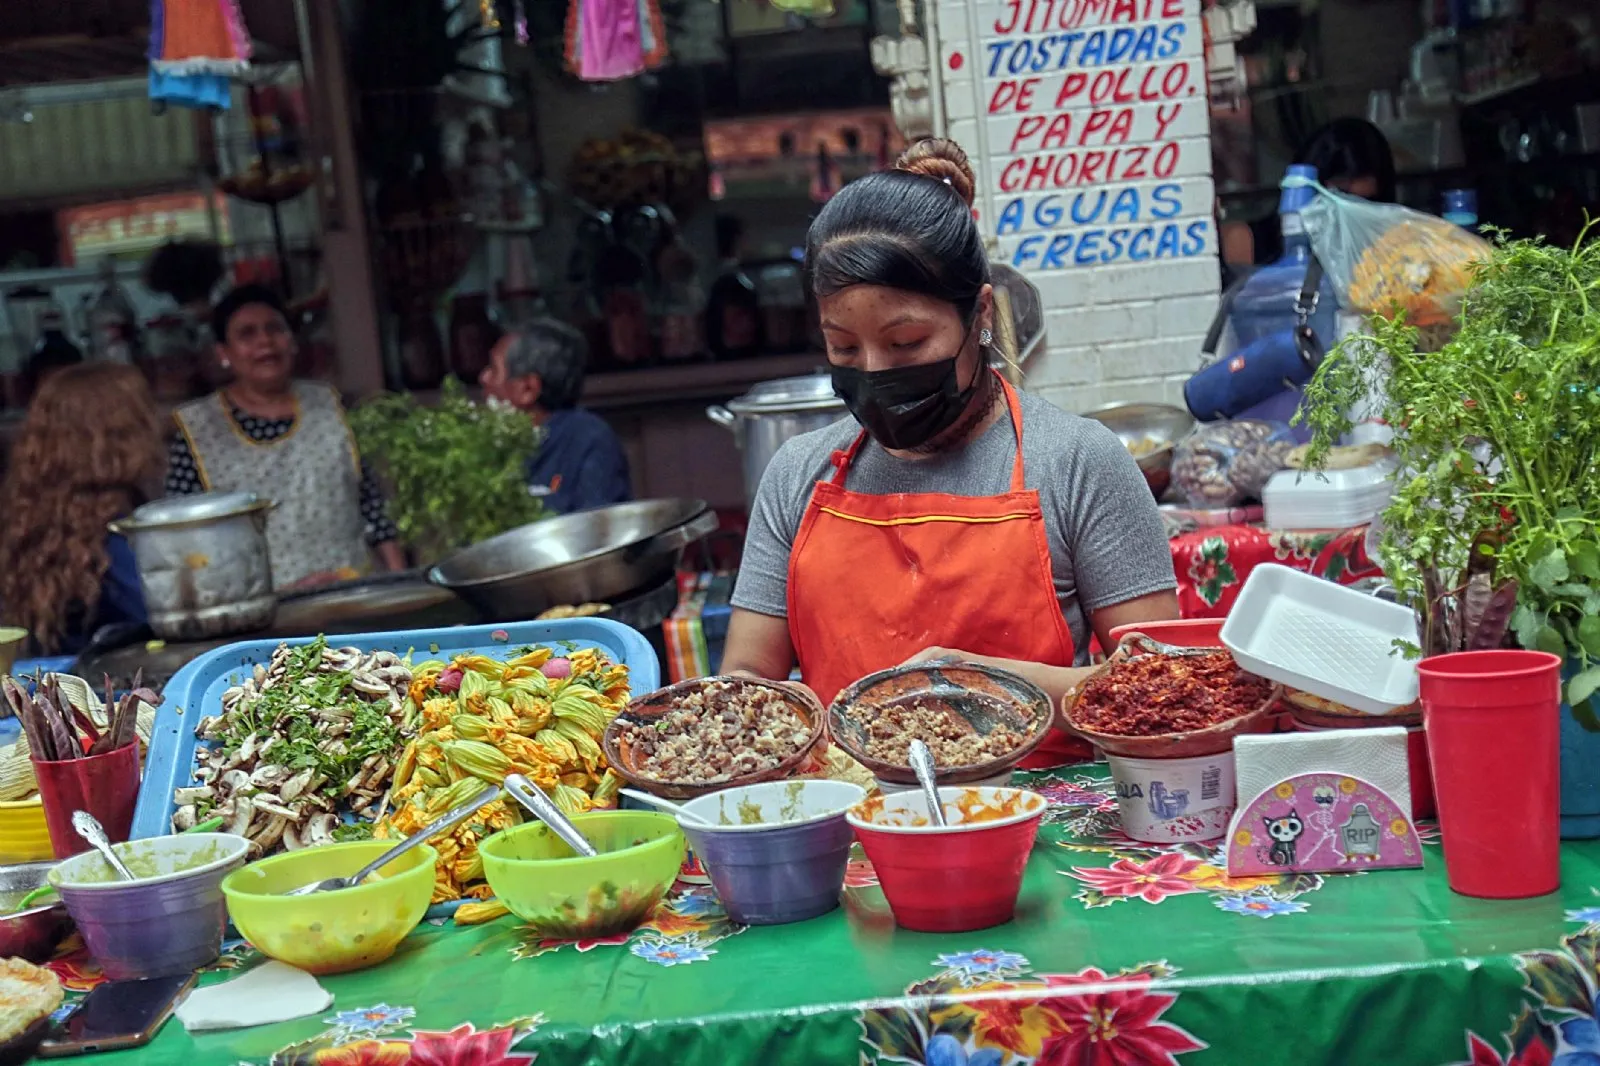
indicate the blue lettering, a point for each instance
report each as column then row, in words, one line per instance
column 1046, row 213
column 1027, row 248
column 1094, row 49
column 1164, row 201
column 1021, row 56
column 1121, row 45
column 997, row 55
column 1139, row 253
column 1144, row 49
column 1067, row 41
column 1197, row 238
column 1056, row 257
column 1126, row 208
column 1171, row 41
column 1116, row 237
column 1045, row 50
column 1167, row 243
column 1087, row 246
column 1010, row 218
column 1084, row 219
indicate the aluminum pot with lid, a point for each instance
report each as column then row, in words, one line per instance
column 772, row 412
column 203, row 564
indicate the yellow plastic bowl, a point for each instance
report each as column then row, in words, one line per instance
column 24, row 836
column 331, row 932
column 565, row 896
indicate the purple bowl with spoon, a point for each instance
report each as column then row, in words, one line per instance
column 776, row 852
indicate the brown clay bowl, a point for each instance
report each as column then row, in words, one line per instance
column 980, row 696
column 1190, row 744
column 1325, row 714
column 648, row 708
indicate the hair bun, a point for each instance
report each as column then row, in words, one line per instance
column 943, row 160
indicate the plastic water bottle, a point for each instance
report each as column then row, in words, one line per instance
column 1261, row 373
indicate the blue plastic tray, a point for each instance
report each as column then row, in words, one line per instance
column 196, row 690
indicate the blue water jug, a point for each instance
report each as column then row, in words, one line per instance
column 1272, row 355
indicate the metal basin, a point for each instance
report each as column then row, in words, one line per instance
column 590, row 557
column 1149, row 431
column 34, row 933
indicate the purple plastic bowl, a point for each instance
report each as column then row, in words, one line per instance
column 155, row 926
column 771, row 873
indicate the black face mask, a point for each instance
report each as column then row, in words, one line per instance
column 907, row 406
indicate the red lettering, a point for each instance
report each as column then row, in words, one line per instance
column 1025, row 129
column 1071, row 86
column 1173, row 80
column 1118, row 81
column 1008, row 176
column 1121, row 127
column 1172, row 9
column 1091, row 166
column 1096, row 121
column 1039, row 175
column 1136, row 168
column 1015, row 7
column 1056, row 135
column 1166, row 160
column 1125, row 11
column 1013, row 96
column 1165, row 119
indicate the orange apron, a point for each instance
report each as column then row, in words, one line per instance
column 873, row 580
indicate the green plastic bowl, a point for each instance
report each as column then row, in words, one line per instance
column 564, row 896
column 331, row 932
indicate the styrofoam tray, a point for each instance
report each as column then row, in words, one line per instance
column 1322, row 638
column 196, row 690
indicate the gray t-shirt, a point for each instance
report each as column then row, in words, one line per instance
column 1107, row 544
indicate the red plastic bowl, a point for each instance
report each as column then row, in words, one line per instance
column 1180, row 633
column 955, row 879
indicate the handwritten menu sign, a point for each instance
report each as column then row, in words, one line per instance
column 1095, row 127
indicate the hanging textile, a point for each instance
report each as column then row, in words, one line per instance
column 198, row 37
column 608, row 40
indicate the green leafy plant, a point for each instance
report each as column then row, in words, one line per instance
column 454, row 468
column 1498, row 438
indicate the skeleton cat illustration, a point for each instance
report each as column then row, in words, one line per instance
column 1284, row 832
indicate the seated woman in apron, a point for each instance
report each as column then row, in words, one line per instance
column 286, row 441
column 960, row 517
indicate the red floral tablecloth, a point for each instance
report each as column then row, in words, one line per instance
column 1211, row 564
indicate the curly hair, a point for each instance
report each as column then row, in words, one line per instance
column 92, row 441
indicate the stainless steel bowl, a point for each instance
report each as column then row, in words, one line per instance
column 590, row 557
column 34, row 933
column 1152, row 429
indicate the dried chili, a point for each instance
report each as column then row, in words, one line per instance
column 1153, row 695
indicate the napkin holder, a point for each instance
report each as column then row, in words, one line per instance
column 1332, row 802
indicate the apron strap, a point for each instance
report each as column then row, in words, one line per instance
column 842, row 459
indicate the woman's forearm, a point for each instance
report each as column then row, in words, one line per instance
column 1054, row 680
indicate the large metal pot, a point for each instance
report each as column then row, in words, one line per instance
column 772, row 412
column 203, row 564
column 590, row 557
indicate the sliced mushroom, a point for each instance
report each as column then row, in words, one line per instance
column 291, row 838
column 243, row 811
column 297, row 784
column 184, row 818
column 193, row 794
column 269, row 803
column 269, row 775
column 320, row 829
column 269, row 835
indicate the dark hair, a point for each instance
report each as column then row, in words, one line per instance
column 185, row 270
column 908, row 228
column 556, row 353
column 1348, row 148
column 237, row 300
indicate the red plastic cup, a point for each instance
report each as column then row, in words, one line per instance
column 107, row 786
column 956, row 879
column 1494, row 716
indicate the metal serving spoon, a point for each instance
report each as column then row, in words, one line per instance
column 922, row 765
column 89, row 828
column 666, row 805
column 532, row 797
column 438, row 825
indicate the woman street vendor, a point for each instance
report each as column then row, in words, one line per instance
column 286, row 441
column 960, row 517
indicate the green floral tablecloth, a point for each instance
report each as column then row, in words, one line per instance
column 1120, row 954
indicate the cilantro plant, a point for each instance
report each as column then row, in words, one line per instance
column 1498, row 437
column 455, row 468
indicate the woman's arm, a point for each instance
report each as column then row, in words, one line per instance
column 758, row 646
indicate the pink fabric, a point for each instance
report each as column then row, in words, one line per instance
column 610, row 40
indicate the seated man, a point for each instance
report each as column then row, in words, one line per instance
column 538, row 368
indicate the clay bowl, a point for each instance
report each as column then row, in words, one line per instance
column 1325, row 714
column 981, row 696
column 1195, row 742
column 647, row 709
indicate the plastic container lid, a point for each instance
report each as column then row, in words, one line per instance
column 808, row 392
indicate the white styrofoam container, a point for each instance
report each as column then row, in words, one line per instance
column 1171, row 801
column 1322, row 638
column 1334, row 499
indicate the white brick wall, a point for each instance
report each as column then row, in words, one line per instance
column 1126, row 310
